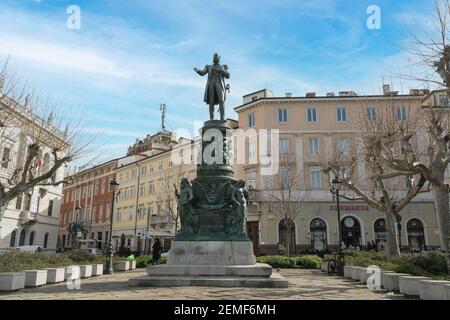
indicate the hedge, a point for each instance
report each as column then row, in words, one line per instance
column 296, row 261
column 144, row 261
column 13, row 261
column 431, row 263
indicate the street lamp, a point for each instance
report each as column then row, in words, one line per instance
column 76, row 230
column 336, row 183
column 109, row 262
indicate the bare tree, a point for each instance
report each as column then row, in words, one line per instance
column 37, row 137
column 288, row 195
column 432, row 52
column 169, row 193
column 383, row 190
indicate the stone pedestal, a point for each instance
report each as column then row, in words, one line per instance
column 211, row 263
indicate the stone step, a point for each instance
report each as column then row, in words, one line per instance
column 257, row 270
column 274, row 281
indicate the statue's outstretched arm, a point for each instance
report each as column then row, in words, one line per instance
column 202, row 72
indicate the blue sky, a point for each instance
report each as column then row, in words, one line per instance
column 130, row 56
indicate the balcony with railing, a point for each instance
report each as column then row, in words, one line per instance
column 28, row 217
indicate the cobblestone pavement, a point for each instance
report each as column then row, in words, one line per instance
column 303, row 284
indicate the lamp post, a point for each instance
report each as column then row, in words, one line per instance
column 77, row 226
column 336, row 183
column 109, row 262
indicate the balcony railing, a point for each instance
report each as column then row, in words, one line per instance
column 28, row 217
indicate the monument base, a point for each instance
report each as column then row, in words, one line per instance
column 211, row 263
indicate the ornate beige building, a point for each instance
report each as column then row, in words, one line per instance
column 311, row 126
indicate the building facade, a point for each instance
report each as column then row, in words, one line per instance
column 309, row 127
column 86, row 206
column 33, row 217
column 146, row 207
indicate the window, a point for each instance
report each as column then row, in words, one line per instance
column 27, row 201
column 251, row 151
column 160, row 165
column 284, row 146
column 341, row 114
column 5, row 157
column 282, row 115
column 143, row 170
column 312, row 115
column 170, row 163
column 141, row 190
column 12, row 241
column 343, row 146
column 46, row 241
column 31, row 241
column 401, row 113
column 151, row 168
column 22, row 237
column 254, row 98
column 403, row 145
column 19, row 201
column 50, row 208
column 284, row 178
column 313, row 146
column 315, row 178
column 251, row 119
column 371, row 113
column 150, row 188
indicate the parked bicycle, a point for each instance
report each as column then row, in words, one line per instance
column 336, row 265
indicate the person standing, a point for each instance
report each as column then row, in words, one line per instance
column 156, row 251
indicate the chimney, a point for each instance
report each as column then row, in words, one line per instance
column 386, row 89
column 330, row 94
column 288, row 95
column 310, row 94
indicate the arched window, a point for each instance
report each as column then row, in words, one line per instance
column 46, row 240
column 22, row 237
column 318, row 231
column 351, row 232
column 416, row 235
column 12, row 241
column 282, row 236
column 380, row 229
column 31, row 242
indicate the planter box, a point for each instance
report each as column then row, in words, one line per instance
column 434, row 289
column 86, row 271
column 390, row 280
column 35, row 278
column 132, row 265
column 356, row 273
column 11, row 281
column 122, row 266
column 348, row 271
column 55, row 275
column 447, row 287
column 97, row 270
column 409, row 285
column 383, row 279
column 324, row 266
column 73, row 272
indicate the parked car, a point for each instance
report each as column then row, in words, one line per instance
column 30, row 248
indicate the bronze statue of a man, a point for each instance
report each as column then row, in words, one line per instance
column 215, row 90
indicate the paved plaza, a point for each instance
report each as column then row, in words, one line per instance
column 303, row 284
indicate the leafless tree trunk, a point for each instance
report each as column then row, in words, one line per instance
column 433, row 53
column 47, row 136
column 382, row 191
column 289, row 194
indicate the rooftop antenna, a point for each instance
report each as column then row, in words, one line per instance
column 163, row 110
